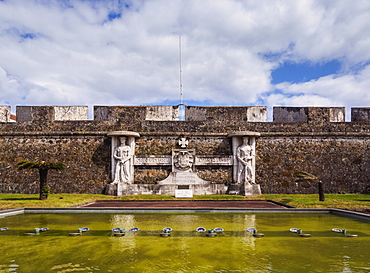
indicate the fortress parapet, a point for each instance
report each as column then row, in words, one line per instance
column 198, row 142
column 309, row 114
column 210, row 114
column 235, row 114
column 51, row 113
column 130, row 113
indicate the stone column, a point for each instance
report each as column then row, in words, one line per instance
column 244, row 174
column 120, row 184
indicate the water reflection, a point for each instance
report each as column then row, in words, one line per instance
column 234, row 250
column 126, row 222
column 185, row 221
column 12, row 267
column 249, row 222
column 70, row 267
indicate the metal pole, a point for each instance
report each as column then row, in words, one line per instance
column 180, row 54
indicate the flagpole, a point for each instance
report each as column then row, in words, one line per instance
column 180, row 62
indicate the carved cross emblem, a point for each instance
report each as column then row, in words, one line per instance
column 183, row 142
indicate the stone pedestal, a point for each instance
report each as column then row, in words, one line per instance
column 111, row 189
column 234, row 189
column 244, row 189
column 252, row 189
column 190, row 181
column 156, row 189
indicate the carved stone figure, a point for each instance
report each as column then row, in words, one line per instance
column 122, row 155
column 245, row 154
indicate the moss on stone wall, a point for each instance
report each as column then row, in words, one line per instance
column 163, row 145
column 145, row 175
column 216, row 175
column 342, row 164
column 87, row 160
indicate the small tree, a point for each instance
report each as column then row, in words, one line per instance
column 305, row 176
column 43, row 170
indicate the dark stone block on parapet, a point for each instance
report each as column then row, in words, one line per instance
column 117, row 113
column 51, row 113
column 360, row 114
column 290, row 114
column 35, row 113
column 136, row 113
column 226, row 114
column 320, row 115
column 309, row 114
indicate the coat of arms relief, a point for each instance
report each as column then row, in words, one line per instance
column 183, row 160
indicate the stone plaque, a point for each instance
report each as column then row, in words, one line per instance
column 183, row 178
column 153, row 160
column 204, row 160
column 184, row 161
column 183, row 193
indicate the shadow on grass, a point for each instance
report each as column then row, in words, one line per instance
column 285, row 201
column 20, row 199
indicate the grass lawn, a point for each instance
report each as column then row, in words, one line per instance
column 8, row 201
column 357, row 202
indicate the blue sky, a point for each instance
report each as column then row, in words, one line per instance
column 234, row 52
column 304, row 71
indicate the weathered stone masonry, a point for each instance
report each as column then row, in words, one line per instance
column 313, row 139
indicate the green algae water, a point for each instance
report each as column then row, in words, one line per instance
column 234, row 250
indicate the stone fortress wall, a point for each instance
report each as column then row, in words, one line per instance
column 312, row 139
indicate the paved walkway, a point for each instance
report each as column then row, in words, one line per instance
column 243, row 204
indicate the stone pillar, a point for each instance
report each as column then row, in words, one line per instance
column 119, row 184
column 244, row 161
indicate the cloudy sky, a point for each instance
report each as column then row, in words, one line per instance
column 234, row 52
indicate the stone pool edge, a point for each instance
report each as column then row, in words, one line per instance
column 339, row 212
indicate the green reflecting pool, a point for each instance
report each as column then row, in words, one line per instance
column 234, row 250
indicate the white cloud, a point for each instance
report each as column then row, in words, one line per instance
column 348, row 89
column 54, row 52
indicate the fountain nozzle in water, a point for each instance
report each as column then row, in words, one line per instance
column 211, row 233
column 299, row 232
column 344, row 232
column 254, row 232
column 166, row 232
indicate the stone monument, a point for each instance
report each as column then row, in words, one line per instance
column 183, row 176
column 184, row 164
column 244, row 172
column 122, row 160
